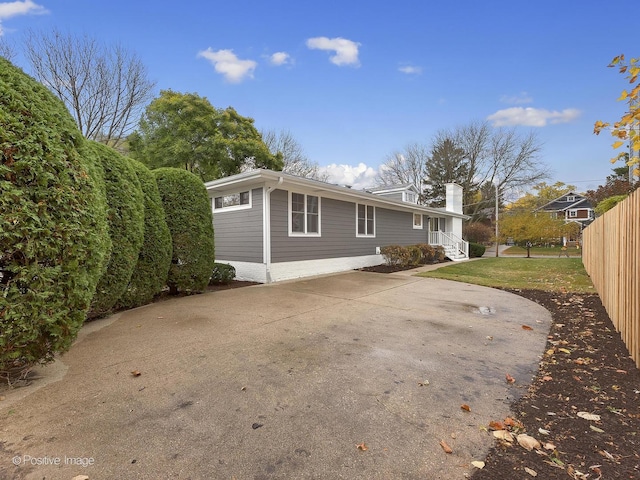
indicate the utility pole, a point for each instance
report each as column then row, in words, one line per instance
column 497, row 232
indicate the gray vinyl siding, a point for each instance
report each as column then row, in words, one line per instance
column 238, row 233
column 392, row 196
column 338, row 230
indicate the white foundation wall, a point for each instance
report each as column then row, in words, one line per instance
column 257, row 272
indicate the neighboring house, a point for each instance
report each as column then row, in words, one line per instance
column 273, row 226
column 572, row 207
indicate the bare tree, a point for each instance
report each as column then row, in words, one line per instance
column 407, row 166
column 6, row 50
column 295, row 160
column 104, row 87
column 497, row 156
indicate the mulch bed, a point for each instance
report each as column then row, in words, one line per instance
column 586, row 368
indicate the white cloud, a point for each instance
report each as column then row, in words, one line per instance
column 280, row 58
column 12, row 9
column 532, row 117
column 410, row 70
column 229, row 65
column 359, row 177
column 346, row 51
column 520, row 99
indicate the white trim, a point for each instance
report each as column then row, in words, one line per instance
column 417, row 227
column 571, row 198
column 232, row 208
column 366, row 235
column 305, row 233
column 248, row 271
column 573, row 213
column 307, row 268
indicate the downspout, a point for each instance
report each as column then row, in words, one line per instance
column 266, row 221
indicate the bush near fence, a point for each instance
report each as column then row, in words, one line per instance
column 611, row 256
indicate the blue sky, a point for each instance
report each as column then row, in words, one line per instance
column 355, row 80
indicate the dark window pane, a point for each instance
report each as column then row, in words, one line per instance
column 297, row 222
column 218, row 202
column 244, row 198
column 312, row 223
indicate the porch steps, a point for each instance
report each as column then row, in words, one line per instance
column 454, row 254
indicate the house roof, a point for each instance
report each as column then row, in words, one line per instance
column 393, row 188
column 285, row 180
column 561, row 203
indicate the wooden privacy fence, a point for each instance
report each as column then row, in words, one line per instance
column 611, row 256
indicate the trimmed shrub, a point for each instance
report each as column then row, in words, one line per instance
column 476, row 250
column 223, row 273
column 188, row 213
column 394, row 255
column 428, row 253
column 477, row 232
column 440, row 254
column 52, row 225
column 126, row 227
column 413, row 256
column 151, row 270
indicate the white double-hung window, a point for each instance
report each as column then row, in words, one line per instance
column 304, row 214
column 365, row 220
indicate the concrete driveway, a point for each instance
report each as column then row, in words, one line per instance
column 281, row 381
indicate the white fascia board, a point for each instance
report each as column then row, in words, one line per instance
column 324, row 190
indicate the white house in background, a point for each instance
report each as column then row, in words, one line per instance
column 273, row 226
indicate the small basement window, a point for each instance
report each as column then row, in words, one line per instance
column 233, row 201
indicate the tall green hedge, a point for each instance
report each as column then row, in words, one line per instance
column 154, row 260
column 52, row 225
column 188, row 212
column 126, row 227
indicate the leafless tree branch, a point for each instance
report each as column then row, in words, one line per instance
column 104, row 87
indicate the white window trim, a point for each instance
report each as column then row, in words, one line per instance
column 366, row 235
column 573, row 213
column 405, row 197
column 234, row 207
column 413, row 220
column 305, row 234
column 571, row 198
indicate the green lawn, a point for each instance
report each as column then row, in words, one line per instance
column 547, row 251
column 549, row 274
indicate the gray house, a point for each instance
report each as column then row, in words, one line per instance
column 273, row 226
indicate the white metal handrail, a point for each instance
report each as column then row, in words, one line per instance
column 448, row 239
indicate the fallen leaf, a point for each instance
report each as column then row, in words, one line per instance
column 528, row 442
column 510, row 379
column 549, row 446
column 423, row 384
column 2, row 397
column 489, row 337
column 503, row 435
column 596, row 429
column 510, row 422
column 136, row 373
column 589, row 416
column 621, row 371
column 362, row 446
column 243, row 389
column 80, row 477
column 445, row 447
column 496, row 425
column 543, row 431
column 533, row 473
column 564, row 350
column 465, row 407
column 547, row 378
column 526, row 327
column 478, row 464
